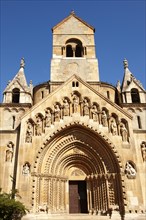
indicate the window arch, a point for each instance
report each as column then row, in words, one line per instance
column 74, row 48
column 15, row 95
column 135, row 96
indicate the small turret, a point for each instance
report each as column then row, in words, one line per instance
column 17, row 90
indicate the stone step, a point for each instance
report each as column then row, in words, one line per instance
column 82, row 217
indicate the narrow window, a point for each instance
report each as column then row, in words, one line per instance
column 135, row 96
column 125, row 97
column 13, row 122
column 69, row 51
column 77, row 84
column 108, row 95
column 73, row 84
column 78, row 52
column 15, row 95
column 139, row 122
column 42, row 92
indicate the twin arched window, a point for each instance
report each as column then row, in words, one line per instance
column 74, row 48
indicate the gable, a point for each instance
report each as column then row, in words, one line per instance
column 15, row 84
column 72, row 25
column 135, row 84
column 72, row 86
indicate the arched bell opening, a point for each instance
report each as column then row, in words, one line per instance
column 79, row 156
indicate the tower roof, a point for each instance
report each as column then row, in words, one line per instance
column 128, row 78
column 72, row 14
column 19, row 78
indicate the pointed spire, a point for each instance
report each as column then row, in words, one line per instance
column 118, row 86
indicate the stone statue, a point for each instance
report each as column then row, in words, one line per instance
column 9, row 152
column 130, row 171
column 113, row 127
column 75, row 103
column 66, row 107
column 85, row 107
column 39, row 126
column 143, row 150
column 29, row 133
column 26, row 169
column 22, row 63
column 123, row 132
column 57, row 112
column 48, row 118
column 104, row 119
column 94, row 112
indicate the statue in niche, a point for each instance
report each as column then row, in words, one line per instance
column 26, row 169
column 123, row 132
column 143, row 150
column 94, row 112
column 38, row 126
column 104, row 118
column 113, row 127
column 66, row 107
column 48, row 118
column 9, row 152
column 130, row 171
column 75, row 103
column 85, row 107
column 29, row 133
column 57, row 112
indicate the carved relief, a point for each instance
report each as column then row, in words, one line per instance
column 123, row 132
column 113, row 126
column 48, row 118
column 29, row 132
column 75, row 103
column 94, row 112
column 66, row 110
column 104, row 118
column 57, row 112
column 85, row 107
column 26, row 169
column 143, row 150
column 39, row 125
column 77, row 172
column 130, row 170
column 9, row 152
column 71, row 68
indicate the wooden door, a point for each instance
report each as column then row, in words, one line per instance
column 73, row 197
column 77, row 197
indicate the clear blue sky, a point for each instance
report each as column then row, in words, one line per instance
column 120, row 32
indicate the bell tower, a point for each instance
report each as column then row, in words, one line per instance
column 73, row 50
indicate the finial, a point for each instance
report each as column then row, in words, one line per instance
column 125, row 62
column 118, row 85
column 22, row 63
column 72, row 12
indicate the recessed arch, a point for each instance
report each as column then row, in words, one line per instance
column 77, row 146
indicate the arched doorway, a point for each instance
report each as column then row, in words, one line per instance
column 77, row 157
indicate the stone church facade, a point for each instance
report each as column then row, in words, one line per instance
column 74, row 144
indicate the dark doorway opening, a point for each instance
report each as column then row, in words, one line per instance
column 77, row 197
